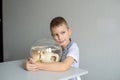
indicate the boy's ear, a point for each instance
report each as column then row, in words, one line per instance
column 51, row 34
column 70, row 31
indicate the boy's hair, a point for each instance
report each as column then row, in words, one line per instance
column 57, row 21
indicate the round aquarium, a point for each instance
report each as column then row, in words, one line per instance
column 46, row 50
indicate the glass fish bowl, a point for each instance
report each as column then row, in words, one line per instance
column 46, row 50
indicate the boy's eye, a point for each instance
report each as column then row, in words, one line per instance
column 55, row 34
column 63, row 32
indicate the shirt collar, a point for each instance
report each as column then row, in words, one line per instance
column 68, row 46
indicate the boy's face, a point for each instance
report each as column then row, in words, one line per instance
column 61, row 35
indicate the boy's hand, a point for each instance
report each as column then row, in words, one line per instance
column 30, row 65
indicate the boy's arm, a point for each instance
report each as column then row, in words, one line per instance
column 56, row 66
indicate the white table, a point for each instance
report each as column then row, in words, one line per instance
column 13, row 70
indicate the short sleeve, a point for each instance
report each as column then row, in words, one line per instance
column 74, row 52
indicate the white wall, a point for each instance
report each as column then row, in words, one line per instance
column 95, row 25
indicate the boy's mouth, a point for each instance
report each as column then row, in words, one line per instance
column 61, row 41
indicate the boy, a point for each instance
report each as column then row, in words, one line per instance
column 60, row 32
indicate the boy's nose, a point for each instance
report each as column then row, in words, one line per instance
column 59, row 37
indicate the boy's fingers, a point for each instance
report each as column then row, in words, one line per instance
column 31, row 60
